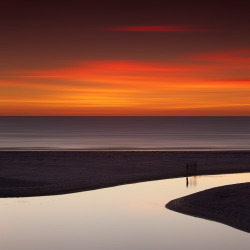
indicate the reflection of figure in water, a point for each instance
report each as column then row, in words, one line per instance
column 191, row 170
column 187, row 167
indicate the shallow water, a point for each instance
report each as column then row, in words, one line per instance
column 120, row 218
column 125, row 132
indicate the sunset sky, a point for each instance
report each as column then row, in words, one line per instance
column 124, row 58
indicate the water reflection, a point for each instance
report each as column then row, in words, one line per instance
column 191, row 174
column 119, row 218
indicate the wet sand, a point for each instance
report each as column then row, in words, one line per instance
column 38, row 173
column 228, row 204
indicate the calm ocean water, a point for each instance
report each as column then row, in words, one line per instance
column 125, row 133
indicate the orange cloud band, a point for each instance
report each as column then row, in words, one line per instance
column 129, row 88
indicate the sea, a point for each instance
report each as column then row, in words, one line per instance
column 124, row 133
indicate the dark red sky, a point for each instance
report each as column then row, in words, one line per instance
column 124, row 58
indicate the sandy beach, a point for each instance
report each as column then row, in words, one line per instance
column 38, row 173
column 228, row 204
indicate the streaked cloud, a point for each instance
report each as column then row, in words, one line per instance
column 117, row 87
column 161, row 28
column 95, row 74
column 228, row 56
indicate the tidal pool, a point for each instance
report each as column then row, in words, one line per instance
column 120, row 218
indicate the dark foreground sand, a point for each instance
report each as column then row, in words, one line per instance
column 37, row 173
column 228, row 204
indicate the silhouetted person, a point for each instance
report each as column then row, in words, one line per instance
column 187, row 174
column 187, row 170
